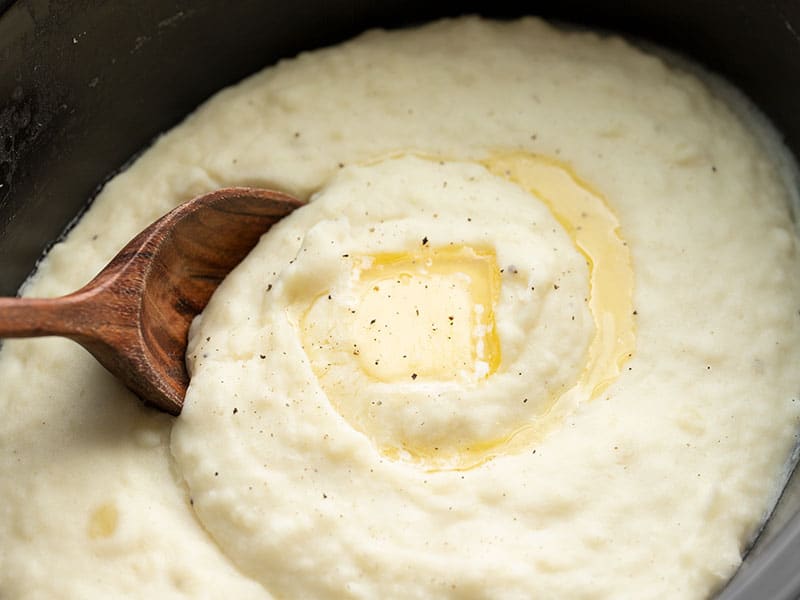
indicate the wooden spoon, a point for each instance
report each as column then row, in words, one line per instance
column 134, row 316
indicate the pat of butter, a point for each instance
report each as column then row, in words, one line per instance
column 103, row 521
column 427, row 315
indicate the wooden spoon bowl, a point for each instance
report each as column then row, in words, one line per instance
column 134, row 316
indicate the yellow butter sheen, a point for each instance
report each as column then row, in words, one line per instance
column 428, row 314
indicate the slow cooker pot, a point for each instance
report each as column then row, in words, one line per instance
column 87, row 84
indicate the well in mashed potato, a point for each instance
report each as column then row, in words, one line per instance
column 535, row 335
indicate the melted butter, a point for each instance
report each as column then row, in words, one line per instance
column 428, row 314
column 103, row 521
column 586, row 217
column 595, row 231
column 468, row 276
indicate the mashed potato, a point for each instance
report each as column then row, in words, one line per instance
column 535, row 335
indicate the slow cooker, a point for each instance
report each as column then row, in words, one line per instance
column 85, row 85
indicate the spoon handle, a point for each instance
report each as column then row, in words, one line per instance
column 37, row 317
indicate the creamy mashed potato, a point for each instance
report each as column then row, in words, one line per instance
column 535, row 335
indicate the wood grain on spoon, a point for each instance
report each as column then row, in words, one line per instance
column 134, row 316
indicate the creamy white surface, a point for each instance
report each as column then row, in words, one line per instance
column 652, row 489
